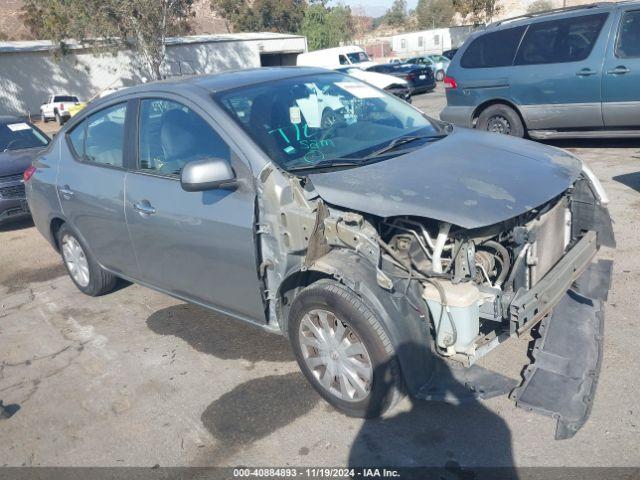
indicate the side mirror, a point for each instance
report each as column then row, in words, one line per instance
column 207, row 174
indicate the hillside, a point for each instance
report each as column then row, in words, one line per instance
column 12, row 28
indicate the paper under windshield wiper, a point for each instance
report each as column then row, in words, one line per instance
column 396, row 142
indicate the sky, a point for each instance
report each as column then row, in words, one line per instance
column 375, row 8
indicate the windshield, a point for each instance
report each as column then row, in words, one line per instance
column 358, row 57
column 20, row 135
column 65, row 98
column 308, row 120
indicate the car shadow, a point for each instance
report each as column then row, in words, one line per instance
column 631, row 180
column 220, row 336
column 18, row 224
column 451, row 438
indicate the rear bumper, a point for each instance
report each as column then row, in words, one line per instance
column 461, row 116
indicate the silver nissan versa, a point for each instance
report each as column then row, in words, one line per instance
column 389, row 247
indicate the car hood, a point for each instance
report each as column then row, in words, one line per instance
column 15, row 162
column 471, row 179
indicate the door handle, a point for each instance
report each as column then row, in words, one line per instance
column 586, row 72
column 144, row 208
column 619, row 70
column 66, row 192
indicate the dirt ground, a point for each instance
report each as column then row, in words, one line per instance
column 136, row 378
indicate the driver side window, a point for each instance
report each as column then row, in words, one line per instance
column 172, row 135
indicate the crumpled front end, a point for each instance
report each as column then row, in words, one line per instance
column 472, row 289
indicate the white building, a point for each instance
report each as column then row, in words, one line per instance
column 429, row 42
column 29, row 72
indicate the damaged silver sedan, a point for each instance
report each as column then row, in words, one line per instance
column 392, row 249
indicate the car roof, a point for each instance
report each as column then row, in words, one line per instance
column 222, row 81
column 557, row 14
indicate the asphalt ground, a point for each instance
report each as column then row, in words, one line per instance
column 136, row 378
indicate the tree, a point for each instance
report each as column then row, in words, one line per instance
column 103, row 24
column 434, row 13
column 397, row 14
column 477, row 11
column 327, row 27
column 284, row 16
column 539, row 6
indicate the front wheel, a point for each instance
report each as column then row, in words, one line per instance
column 343, row 350
column 88, row 276
column 500, row 118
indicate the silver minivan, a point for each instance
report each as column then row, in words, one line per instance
column 392, row 249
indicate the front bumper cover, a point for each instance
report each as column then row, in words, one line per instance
column 562, row 380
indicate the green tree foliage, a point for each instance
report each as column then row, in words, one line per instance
column 141, row 24
column 434, row 13
column 397, row 14
column 540, row 6
column 327, row 27
column 477, row 11
column 284, row 16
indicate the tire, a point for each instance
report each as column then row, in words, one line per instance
column 500, row 118
column 43, row 117
column 59, row 119
column 363, row 332
column 440, row 75
column 99, row 281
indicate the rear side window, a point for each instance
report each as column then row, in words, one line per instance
column 100, row 138
column 629, row 36
column 494, row 49
column 560, row 41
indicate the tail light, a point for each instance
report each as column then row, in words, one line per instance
column 62, row 106
column 410, row 77
column 28, row 173
column 450, row 82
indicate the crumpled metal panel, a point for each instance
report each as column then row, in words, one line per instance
column 471, row 179
column 562, row 380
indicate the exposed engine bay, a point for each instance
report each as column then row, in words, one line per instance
column 469, row 280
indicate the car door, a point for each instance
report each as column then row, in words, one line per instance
column 91, row 186
column 556, row 78
column 621, row 80
column 199, row 246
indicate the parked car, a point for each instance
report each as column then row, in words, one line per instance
column 20, row 141
column 382, row 245
column 420, row 78
column 390, row 83
column 57, row 108
column 437, row 63
column 336, row 57
column 572, row 73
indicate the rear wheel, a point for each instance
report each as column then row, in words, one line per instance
column 58, row 119
column 85, row 272
column 343, row 350
column 43, row 117
column 500, row 118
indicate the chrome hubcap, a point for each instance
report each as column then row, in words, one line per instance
column 76, row 260
column 499, row 124
column 335, row 355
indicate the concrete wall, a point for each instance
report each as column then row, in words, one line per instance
column 28, row 77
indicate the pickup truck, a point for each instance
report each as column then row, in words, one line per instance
column 57, row 108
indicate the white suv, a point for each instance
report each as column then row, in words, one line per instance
column 57, row 108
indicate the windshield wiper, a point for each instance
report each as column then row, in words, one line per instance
column 396, row 142
column 337, row 162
